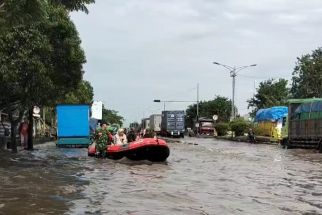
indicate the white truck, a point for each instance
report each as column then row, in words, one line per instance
column 155, row 123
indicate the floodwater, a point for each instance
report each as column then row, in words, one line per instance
column 201, row 176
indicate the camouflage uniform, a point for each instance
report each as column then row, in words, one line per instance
column 149, row 133
column 102, row 141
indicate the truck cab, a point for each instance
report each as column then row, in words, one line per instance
column 205, row 126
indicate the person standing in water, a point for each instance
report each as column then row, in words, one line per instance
column 102, row 138
column 23, row 130
column 251, row 136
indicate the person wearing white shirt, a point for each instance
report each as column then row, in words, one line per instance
column 120, row 137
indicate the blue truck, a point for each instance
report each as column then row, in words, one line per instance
column 73, row 127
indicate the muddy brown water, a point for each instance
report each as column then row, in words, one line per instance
column 201, row 176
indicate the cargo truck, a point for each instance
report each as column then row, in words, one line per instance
column 172, row 123
column 205, row 127
column 269, row 121
column 73, row 125
column 145, row 123
column 302, row 128
column 155, row 123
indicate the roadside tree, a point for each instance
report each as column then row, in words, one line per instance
column 220, row 106
column 39, row 63
column 270, row 93
column 83, row 94
column 112, row 116
column 307, row 76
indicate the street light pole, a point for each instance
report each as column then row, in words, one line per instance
column 233, row 73
column 197, row 102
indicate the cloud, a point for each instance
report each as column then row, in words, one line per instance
column 138, row 50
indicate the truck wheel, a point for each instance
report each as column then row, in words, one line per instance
column 288, row 145
column 284, row 143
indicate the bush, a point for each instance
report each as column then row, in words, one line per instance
column 239, row 127
column 222, row 128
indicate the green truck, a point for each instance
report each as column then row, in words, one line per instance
column 302, row 128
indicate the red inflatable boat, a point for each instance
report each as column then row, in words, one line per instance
column 151, row 149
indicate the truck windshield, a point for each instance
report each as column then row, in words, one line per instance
column 207, row 124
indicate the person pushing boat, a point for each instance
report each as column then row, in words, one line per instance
column 102, row 138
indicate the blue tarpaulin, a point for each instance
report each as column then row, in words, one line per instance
column 271, row 114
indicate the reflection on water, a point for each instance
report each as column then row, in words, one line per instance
column 201, row 176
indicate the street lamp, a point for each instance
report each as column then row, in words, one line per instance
column 233, row 73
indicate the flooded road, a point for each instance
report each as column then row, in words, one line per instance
column 201, row 176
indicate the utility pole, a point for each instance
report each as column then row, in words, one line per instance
column 197, row 102
column 233, row 73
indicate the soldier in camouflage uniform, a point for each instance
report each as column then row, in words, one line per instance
column 102, row 138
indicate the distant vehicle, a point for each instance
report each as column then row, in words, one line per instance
column 205, row 126
column 172, row 123
column 269, row 121
column 145, row 123
column 302, row 128
column 155, row 123
column 135, row 126
column 73, row 125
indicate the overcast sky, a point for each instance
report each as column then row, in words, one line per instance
column 140, row 50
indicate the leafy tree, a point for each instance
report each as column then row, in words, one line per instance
column 37, row 64
column 220, row 106
column 40, row 63
column 22, row 67
column 270, row 93
column 83, row 94
column 74, row 4
column 112, row 116
column 21, row 12
column 307, row 76
column 40, row 56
